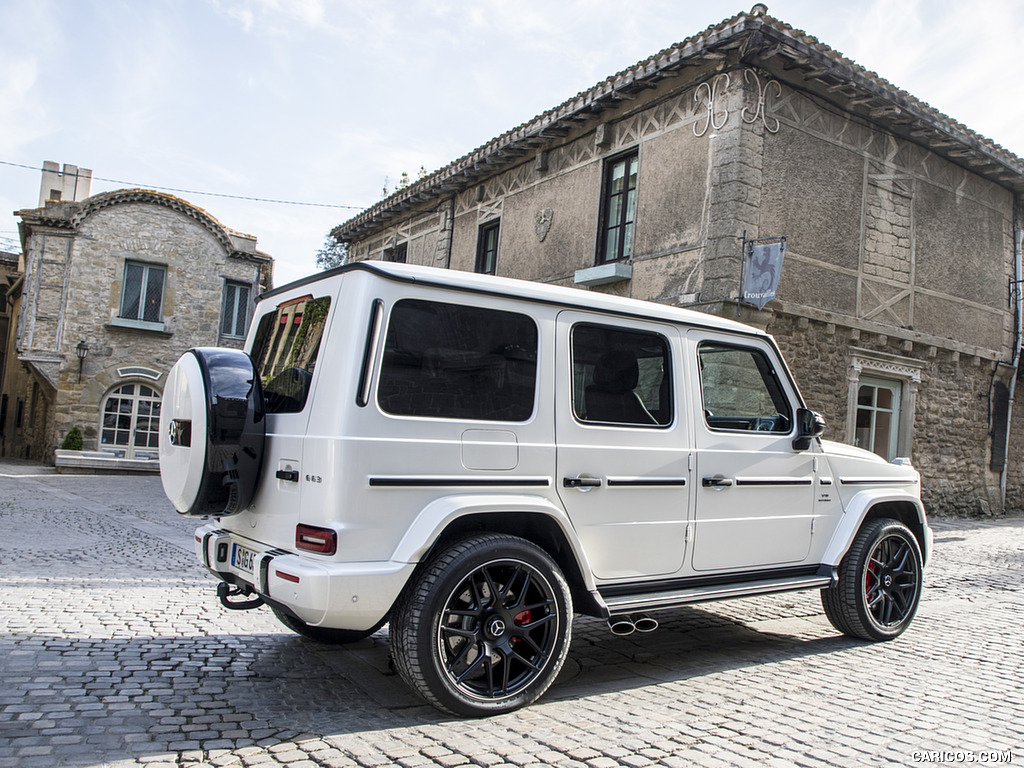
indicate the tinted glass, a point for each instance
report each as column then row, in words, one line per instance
column 621, row 376
column 457, row 362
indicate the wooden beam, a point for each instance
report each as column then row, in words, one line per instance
column 889, row 110
column 815, row 73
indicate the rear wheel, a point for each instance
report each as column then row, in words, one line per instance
column 485, row 627
column 879, row 587
column 325, row 635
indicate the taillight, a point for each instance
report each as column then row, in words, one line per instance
column 324, row 541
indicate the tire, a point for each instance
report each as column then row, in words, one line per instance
column 324, row 635
column 484, row 626
column 212, row 432
column 879, row 587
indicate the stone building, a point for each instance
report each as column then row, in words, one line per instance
column 901, row 227
column 113, row 289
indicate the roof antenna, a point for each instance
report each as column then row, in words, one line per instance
column 760, row 9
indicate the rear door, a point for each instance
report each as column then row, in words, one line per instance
column 755, row 493
column 622, row 457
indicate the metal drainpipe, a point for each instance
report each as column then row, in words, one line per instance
column 1018, row 245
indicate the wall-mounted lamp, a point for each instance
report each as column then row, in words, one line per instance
column 83, row 350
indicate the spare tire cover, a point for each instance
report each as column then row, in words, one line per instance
column 212, row 431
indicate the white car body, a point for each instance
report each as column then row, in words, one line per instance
column 685, row 508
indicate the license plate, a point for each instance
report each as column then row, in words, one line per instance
column 242, row 558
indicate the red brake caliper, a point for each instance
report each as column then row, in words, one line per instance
column 522, row 620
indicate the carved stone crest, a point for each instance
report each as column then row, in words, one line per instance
column 542, row 223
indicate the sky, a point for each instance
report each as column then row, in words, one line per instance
column 326, row 102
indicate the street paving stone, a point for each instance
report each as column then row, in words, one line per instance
column 114, row 652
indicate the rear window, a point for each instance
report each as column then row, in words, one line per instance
column 456, row 362
column 285, row 351
column 621, row 376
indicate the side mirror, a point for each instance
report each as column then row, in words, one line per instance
column 809, row 425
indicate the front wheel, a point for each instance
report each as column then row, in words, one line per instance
column 879, row 585
column 485, row 626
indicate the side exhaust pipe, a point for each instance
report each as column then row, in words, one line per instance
column 627, row 625
column 645, row 623
column 621, row 625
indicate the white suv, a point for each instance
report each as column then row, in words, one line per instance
column 474, row 459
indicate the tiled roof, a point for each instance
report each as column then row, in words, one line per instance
column 70, row 215
column 862, row 91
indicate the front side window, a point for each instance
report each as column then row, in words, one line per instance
column 487, row 248
column 142, row 296
column 741, row 390
column 235, row 314
column 621, row 376
column 458, row 362
column 618, row 209
column 131, row 420
column 286, row 349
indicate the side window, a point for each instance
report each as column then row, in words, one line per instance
column 741, row 390
column 457, row 362
column 285, row 351
column 621, row 376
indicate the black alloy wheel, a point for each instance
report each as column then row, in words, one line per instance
column 891, row 582
column 879, row 586
column 486, row 628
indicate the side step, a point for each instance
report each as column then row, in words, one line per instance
column 649, row 601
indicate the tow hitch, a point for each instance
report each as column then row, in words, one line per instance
column 226, row 591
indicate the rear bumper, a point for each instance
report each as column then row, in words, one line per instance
column 319, row 591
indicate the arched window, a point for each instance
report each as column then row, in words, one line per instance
column 131, row 421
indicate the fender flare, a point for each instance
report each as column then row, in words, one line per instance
column 434, row 518
column 857, row 510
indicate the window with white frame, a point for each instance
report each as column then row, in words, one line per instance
column 235, row 315
column 878, row 415
column 882, row 401
column 131, row 421
column 142, row 294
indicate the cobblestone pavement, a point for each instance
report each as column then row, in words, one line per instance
column 114, row 652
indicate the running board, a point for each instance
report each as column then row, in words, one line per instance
column 651, row 601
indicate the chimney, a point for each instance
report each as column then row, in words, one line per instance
column 69, row 186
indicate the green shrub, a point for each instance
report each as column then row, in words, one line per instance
column 73, row 441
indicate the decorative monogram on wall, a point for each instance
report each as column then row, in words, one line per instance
column 760, row 111
column 705, row 96
column 542, row 223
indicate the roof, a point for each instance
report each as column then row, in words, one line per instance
column 760, row 40
column 69, row 215
column 524, row 290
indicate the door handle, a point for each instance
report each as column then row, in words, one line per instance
column 292, row 476
column 581, row 482
column 716, row 482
